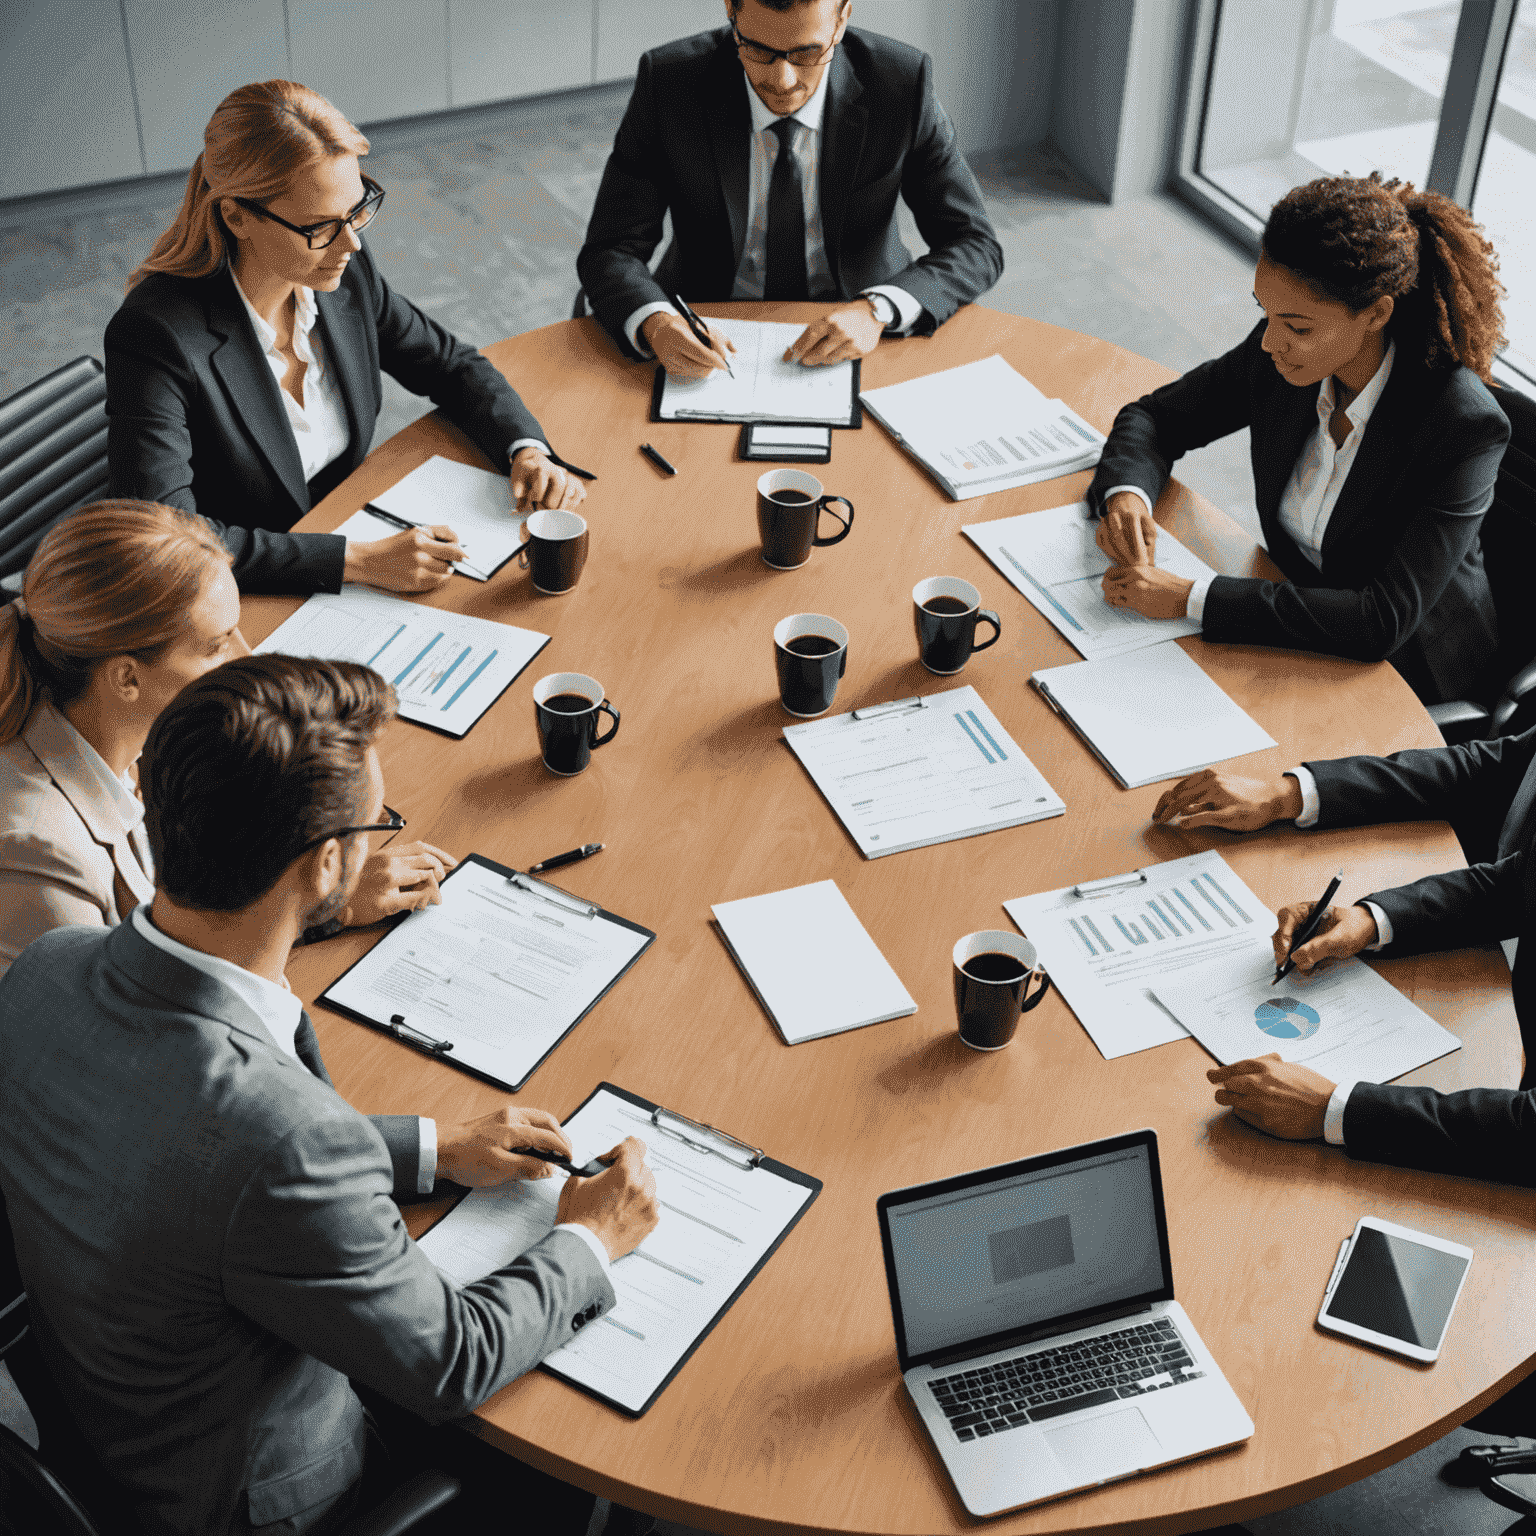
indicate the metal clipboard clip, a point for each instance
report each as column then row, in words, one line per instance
column 553, row 895
column 743, row 1155
column 896, row 706
column 1113, row 883
column 413, row 1036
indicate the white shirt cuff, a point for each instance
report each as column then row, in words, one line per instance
column 1311, row 801
column 640, row 316
column 426, row 1155
column 1195, row 606
column 1333, row 1118
column 908, row 310
column 590, row 1238
column 527, row 442
column 1135, row 490
column 1383, row 926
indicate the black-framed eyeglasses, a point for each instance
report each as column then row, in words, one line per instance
column 797, row 58
column 394, row 824
column 328, row 231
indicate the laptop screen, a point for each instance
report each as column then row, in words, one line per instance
column 1021, row 1246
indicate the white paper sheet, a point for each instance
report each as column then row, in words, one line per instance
column 902, row 778
column 1344, row 1020
column 498, row 971
column 717, row 1222
column 447, row 668
column 812, row 962
column 1052, row 559
column 1106, row 953
column 765, row 387
column 1151, row 714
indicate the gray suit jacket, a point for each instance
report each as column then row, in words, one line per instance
column 209, row 1243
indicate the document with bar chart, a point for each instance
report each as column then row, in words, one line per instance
column 724, row 1210
column 923, row 770
column 447, row 668
column 1109, row 947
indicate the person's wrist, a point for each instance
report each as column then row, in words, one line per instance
column 651, row 325
column 599, row 1230
column 1287, row 802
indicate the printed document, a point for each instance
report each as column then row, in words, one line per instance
column 1051, row 558
column 921, row 771
column 718, row 1221
column 984, row 427
column 447, row 668
column 1108, row 950
column 476, row 504
column 765, row 388
column 1150, row 714
column 498, row 971
column 812, row 962
column 1344, row 1020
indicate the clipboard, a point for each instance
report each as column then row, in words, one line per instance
column 442, row 1047
column 854, row 422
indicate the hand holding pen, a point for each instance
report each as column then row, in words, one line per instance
column 1310, row 932
column 684, row 345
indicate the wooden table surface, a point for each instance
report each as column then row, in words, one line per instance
column 792, row 1416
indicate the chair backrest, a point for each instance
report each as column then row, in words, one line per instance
column 53, row 455
column 1509, row 537
column 33, row 1502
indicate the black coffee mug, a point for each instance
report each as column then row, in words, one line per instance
column 566, row 706
column 811, row 652
column 789, row 507
column 554, row 550
column 944, row 614
column 994, row 970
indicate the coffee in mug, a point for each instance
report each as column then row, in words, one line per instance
column 789, row 507
column 566, row 706
column 945, row 611
column 810, row 651
column 554, row 550
column 994, row 971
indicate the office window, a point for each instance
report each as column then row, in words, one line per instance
column 1436, row 91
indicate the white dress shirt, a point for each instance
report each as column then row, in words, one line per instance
column 122, row 792
column 754, row 251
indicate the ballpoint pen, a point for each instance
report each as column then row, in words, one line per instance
column 700, row 331
column 405, row 522
column 1308, row 928
column 584, row 852
column 657, row 460
column 586, row 1171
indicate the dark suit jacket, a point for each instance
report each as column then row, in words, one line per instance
column 1402, row 574
column 196, row 418
column 684, row 146
column 211, row 1250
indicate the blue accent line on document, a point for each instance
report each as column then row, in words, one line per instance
column 1041, row 590
column 1002, row 756
column 1176, row 913
column 1130, row 938
column 1211, row 879
column 614, row 1322
column 406, row 672
column 1104, row 943
column 975, row 739
column 1198, row 915
column 385, row 646
column 468, row 680
column 1077, row 929
column 453, row 667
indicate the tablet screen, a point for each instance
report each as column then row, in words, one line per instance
column 1397, row 1287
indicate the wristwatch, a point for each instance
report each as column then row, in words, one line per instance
column 885, row 311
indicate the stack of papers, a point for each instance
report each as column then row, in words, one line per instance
column 765, row 387
column 984, row 427
column 1150, row 714
column 1052, row 559
column 811, row 962
column 476, row 504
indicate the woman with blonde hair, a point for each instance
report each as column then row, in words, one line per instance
column 243, row 367
column 123, row 604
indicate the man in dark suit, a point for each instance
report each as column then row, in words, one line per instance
column 779, row 145
column 206, row 1230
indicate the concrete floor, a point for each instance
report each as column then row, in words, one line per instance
column 486, row 210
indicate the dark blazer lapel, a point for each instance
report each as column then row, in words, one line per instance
column 843, row 124
column 1382, row 450
column 730, row 134
column 253, row 391
column 1278, row 440
column 346, row 353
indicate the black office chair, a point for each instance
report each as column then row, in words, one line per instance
column 1509, row 548
column 53, row 455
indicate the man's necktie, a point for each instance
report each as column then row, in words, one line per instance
column 308, row 1048
column 785, row 277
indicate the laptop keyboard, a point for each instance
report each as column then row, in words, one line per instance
column 1128, row 1363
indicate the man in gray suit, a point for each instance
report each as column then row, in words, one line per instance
column 206, row 1229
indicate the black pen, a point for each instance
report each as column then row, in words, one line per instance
column 401, row 522
column 657, row 459
column 584, row 852
column 1308, row 928
column 700, row 331
column 586, row 1171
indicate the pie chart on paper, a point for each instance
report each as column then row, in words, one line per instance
column 1286, row 1019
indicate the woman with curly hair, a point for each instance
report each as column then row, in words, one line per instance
column 1375, row 441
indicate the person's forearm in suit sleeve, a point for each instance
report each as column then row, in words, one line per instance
column 1480, row 1133
column 1456, row 910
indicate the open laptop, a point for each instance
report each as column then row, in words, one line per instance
column 1037, row 1330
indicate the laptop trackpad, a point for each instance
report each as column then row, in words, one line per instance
column 1105, row 1446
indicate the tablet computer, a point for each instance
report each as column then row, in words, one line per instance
column 1395, row 1288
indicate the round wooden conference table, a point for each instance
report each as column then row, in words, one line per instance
column 792, row 1416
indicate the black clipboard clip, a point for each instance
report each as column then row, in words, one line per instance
column 1112, row 884
column 553, row 895
column 745, row 1155
column 894, row 707
column 413, row 1036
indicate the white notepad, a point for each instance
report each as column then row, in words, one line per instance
column 811, row 962
column 1150, row 714
column 765, row 387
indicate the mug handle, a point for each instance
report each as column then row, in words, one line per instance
column 602, row 741
column 825, row 505
column 1029, row 1002
column 997, row 634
